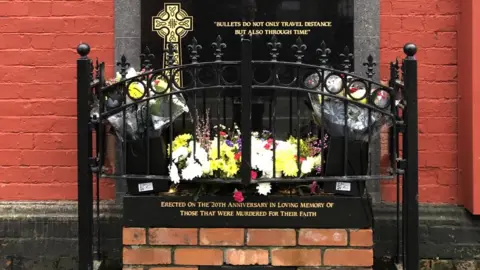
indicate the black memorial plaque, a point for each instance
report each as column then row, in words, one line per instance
column 313, row 20
column 254, row 212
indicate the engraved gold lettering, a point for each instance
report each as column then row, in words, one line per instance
column 203, row 204
column 288, row 214
column 251, row 213
column 173, row 204
column 308, row 214
column 312, row 205
column 207, row 213
column 273, row 213
column 189, row 213
column 218, row 204
column 225, row 213
column 288, row 205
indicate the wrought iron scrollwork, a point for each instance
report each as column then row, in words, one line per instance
column 300, row 49
column 274, row 45
column 219, row 46
column 324, row 53
column 194, row 48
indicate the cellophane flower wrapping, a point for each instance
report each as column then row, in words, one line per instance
column 332, row 114
column 137, row 118
column 194, row 157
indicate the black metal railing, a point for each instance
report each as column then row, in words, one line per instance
column 301, row 98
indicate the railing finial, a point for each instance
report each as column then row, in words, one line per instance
column 410, row 49
column 274, row 46
column 324, row 53
column 194, row 48
column 124, row 65
column 300, row 49
column 370, row 64
column 347, row 57
column 146, row 58
column 218, row 45
column 83, row 49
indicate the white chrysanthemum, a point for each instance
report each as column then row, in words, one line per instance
column 202, row 156
column 174, row 176
column 179, row 153
column 358, row 94
column 264, row 189
column 131, row 73
column 193, row 170
column 307, row 165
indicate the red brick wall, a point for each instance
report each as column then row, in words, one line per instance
column 189, row 248
column 38, row 90
column 37, row 100
column 432, row 25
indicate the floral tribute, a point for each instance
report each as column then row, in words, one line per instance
column 221, row 157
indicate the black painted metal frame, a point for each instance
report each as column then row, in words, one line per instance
column 401, row 110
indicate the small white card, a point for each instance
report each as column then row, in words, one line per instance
column 343, row 186
column 145, row 187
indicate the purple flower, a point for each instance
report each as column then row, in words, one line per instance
column 229, row 143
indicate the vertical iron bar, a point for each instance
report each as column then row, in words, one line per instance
column 345, row 127
column 101, row 137
column 146, row 122
column 246, row 77
column 84, row 173
column 273, row 119
column 298, row 122
column 411, row 173
column 322, row 118
column 224, row 108
column 290, row 115
column 393, row 146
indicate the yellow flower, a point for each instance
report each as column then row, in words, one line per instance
column 181, row 141
column 225, row 151
column 231, row 169
column 285, row 162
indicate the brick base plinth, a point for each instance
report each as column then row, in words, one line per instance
column 189, row 249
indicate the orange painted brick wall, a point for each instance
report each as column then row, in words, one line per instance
column 432, row 25
column 38, row 42
column 186, row 249
column 37, row 96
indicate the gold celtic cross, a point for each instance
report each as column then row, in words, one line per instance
column 172, row 24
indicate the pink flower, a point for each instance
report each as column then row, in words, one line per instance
column 223, row 133
column 313, row 187
column 238, row 196
column 267, row 146
column 253, row 174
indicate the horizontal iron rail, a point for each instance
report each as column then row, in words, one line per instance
column 333, row 96
column 324, row 68
column 260, row 87
column 266, row 180
column 230, row 63
column 172, row 68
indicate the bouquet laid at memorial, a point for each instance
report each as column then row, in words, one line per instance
column 330, row 111
column 137, row 117
column 221, row 156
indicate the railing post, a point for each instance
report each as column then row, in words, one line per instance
column 84, row 176
column 246, row 110
column 410, row 183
